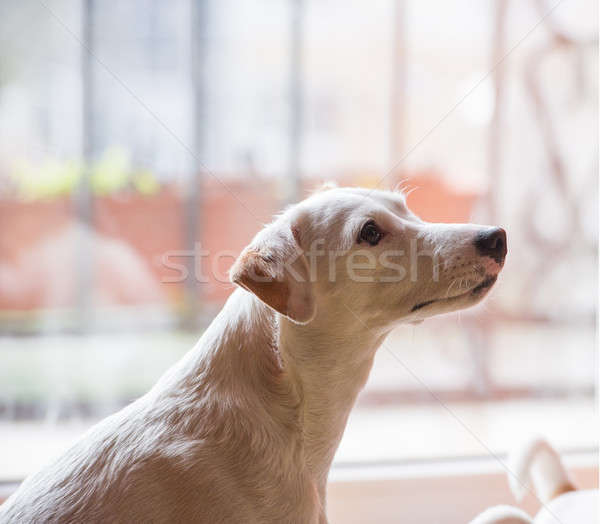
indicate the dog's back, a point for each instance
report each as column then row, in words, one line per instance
column 120, row 471
column 202, row 446
column 129, row 468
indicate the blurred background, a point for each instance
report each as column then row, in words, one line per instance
column 136, row 134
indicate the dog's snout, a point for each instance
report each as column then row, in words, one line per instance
column 492, row 243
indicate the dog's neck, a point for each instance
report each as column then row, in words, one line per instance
column 329, row 361
column 306, row 377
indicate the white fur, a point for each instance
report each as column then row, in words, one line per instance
column 502, row 515
column 539, row 463
column 245, row 426
column 575, row 507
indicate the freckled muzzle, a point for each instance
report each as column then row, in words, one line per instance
column 490, row 248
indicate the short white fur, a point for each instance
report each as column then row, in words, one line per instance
column 245, row 427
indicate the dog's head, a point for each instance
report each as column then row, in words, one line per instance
column 363, row 251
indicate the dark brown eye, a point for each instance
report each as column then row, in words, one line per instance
column 370, row 233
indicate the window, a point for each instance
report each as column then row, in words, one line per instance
column 119, row 165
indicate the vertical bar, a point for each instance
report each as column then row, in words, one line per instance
column 198, row 45
column 397, row 88
column 495, row 136
column 83, row 195
column 294, row 186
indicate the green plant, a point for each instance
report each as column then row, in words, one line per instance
column 111, row 174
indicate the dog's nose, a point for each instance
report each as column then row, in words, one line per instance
column 492, row 243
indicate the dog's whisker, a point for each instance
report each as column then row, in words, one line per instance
column 410, row 191
column 450, row 287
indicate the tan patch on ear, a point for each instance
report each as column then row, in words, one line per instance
column 248, row 274
column 248, row 263
column 286, row 290
column 276, row 294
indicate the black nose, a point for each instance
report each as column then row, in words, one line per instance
column 492, row 243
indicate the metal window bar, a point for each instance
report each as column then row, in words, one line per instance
column 296, row 87
column 84, row 199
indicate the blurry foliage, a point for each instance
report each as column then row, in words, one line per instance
column 112, row 173
column 145, row 182
column 50, row 179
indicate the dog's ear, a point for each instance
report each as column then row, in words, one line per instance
column 274, row 268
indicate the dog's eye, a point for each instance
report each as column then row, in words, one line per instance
column 370, row 233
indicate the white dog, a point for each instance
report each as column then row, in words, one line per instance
column 245, row 426
column 539, row 464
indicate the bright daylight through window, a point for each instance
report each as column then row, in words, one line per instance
column 144, row 143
